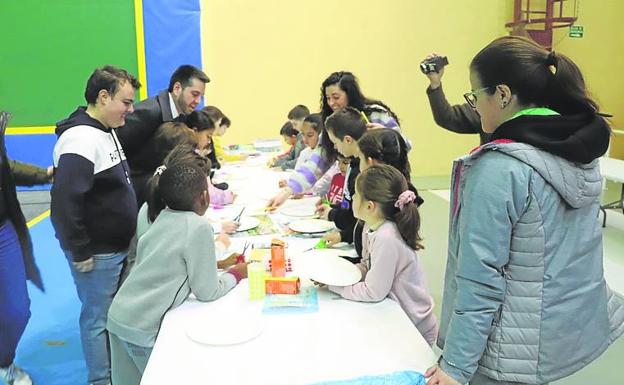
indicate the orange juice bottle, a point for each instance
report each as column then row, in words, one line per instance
column 278, row 258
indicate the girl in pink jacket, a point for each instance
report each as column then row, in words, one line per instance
column 389, row 265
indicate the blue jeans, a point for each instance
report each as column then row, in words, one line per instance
column 14, row 300
column 96, row 290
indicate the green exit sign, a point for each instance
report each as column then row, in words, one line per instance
column 576, row 31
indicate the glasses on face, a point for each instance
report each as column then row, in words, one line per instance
column 471, row 97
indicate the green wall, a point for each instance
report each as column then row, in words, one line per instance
column 50, row 47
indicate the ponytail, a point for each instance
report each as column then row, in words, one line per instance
column 155, row 203
column 536, row 76
column 407, row 220
column 567, row 93
column 386, row 186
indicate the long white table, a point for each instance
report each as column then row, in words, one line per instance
column 612, row 169
column 343, row 340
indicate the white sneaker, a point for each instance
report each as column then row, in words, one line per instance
column 14, row 375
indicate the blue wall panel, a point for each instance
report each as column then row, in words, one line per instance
column 172, row 38
column 35, row 149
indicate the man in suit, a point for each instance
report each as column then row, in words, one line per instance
column 186, row 88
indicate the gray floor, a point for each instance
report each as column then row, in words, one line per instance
column 33, row 203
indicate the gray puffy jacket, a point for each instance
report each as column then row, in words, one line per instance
column 525, row 297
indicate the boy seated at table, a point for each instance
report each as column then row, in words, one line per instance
column 175, row 257
column 336, row 186
column 311, row 161
column 288, row 159
column 297, row 115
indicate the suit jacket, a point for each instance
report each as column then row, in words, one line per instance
column 136, row 137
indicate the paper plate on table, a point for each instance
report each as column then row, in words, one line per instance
column 311, row 226
column 227, row 328
column 248, row 223
column 328, row 267
column 302, row 208
column 299, row 211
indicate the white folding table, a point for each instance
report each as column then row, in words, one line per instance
column 343, row 339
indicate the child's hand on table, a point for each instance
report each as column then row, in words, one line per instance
column 229, row 261
column 332, row 238
column 229, row 227
column 241, row 268
column 323, row 211
column 280, row 198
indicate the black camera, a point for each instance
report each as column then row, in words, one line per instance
column 435, row 64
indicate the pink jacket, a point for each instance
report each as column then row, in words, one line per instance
column 390, row 269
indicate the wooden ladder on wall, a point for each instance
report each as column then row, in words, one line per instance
column 538, row 18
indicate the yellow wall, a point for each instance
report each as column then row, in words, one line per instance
column 599, row 54
column 263, row 57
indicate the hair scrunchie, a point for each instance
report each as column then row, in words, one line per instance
column 551, row 62
column 406, row 197
column 160, row 170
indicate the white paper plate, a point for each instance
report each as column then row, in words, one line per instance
column 301, row 208
column 326, row 266
column 311, row 226
column 248, row 223
column 299, row 211
column 225, row 328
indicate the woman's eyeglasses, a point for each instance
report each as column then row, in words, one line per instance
column 471, row 97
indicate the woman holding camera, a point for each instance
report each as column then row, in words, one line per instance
column 459, row 118
column 525, row 299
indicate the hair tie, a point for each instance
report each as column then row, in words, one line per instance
column 406, row 197
column 551, row 62
column 160, row 170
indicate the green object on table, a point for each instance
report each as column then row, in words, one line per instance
column 322, row 244
column 256, row 275
column 325, row 201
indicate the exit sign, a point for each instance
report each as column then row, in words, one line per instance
column 576, row 31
